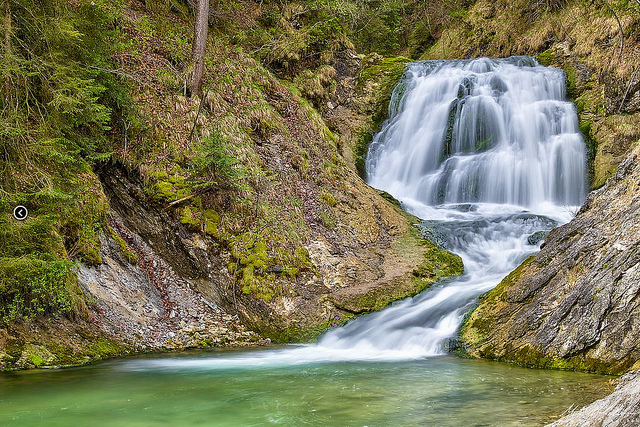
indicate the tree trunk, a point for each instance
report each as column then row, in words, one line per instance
column 7, row 50
column 199, row 45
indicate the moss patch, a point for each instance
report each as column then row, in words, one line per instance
column 438, row 263
column 379, row 76
column 128, row 253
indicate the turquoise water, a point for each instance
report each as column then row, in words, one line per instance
column 198, row 389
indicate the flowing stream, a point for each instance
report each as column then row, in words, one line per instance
column 489, row 154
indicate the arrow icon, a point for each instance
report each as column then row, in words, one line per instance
column 20, row 213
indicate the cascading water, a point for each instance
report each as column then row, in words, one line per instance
column 483, row 130
column 488, row 152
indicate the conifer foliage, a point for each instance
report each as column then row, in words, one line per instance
column 59, row 99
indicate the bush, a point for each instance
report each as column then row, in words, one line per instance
column 216, row 168
column 30, row 286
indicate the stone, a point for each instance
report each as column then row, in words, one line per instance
column 619, row 409
column 576, row 304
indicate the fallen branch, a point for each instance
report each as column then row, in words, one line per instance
column 195, row 120
column 175, row 202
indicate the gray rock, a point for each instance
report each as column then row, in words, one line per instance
column 620, row 409
column 576, row 305
column 537, row 237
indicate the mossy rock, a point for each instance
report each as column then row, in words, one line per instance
column 546, row 58
column 384, row 74
column 103, row 348
column 34, row 355
column 438, row 263
column 128, row 253
column 307, row 334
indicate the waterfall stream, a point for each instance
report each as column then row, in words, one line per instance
column 488, row 152
column 482, row 130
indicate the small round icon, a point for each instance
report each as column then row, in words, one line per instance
column 20, row 213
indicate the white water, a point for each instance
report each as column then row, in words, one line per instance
column 514, row 165
column 484, row 130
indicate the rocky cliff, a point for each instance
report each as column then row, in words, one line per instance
column 576, row 304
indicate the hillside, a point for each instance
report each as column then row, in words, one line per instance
column 162, row 220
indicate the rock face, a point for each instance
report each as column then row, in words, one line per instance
column 576, row 304
column 620, row 409
column 148, row 306
column 375, row 257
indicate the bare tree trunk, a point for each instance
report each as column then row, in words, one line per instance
column 199, row 45
column 7, row 50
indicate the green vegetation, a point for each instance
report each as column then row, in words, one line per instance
column 131, row 256
column 260, row 269
column 546, row 58
column 384, row 73
column 438, row 263
column 215, row 168
column 58, row 112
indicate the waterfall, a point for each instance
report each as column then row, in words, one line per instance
column 488, row 153
column 482, row 130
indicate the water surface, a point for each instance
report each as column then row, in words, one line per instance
column 197, row 390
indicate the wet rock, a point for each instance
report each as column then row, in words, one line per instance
column 536, row 238
column 575, row 305
column 35, row 356
column 620, row 409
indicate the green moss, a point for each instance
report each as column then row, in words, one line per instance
column 329, row 199
column 546, row 58
column 384, row 67
column 182, row 193
column 531, row 357
column 385, row 74
column 103, row 348
column 211, row 228
column 189, row 218
column 38, row 355
column 438, row 263
column 168, row 187
column 211, row 221
column 479, row 323
column 124, row 247
column 592, row 145
column 506, row 283
column 160, row 175
column 327, row 221
column 251, row 259
column 296, row 334
column 365, row 136
column 163, row 191
column 570, row 81
column 212, row 215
